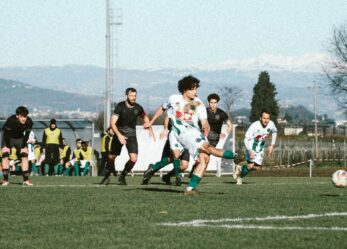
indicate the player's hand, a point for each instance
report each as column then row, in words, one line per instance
column 163, row 134
column 147, row 124
column 151, row 133
column 122, row 139
column 222, row 135
column 270, row 149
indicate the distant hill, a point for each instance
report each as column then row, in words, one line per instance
column 154, row 86
column 14, row 93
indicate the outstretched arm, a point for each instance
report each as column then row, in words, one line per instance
column 157, row 114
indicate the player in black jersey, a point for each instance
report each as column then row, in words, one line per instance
column 216, row 118
column 123, row 123
column 16, row 132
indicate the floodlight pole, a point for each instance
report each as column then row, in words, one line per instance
column 315, row 118
column 107, row 116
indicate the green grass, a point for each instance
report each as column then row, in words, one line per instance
column 74, row 212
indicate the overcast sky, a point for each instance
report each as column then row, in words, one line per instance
column 164, row 33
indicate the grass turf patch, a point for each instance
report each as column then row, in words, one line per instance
column 74, row 212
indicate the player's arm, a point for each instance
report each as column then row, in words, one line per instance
column 205, row 126
column 156, row 115
column 6, row 134
column 273, row 141
column 122, row 139
column 228, row 130
column 146, row 125
column 163, row 134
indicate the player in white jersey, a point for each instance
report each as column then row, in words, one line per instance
column 185, row 111
column 255, row 142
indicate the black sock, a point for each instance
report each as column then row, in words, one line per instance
column 128, row 167
column 25, row 175
column 5, row 173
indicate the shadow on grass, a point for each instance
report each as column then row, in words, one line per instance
column 330, row 195
column 161, row 190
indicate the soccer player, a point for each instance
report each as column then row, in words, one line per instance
column 105, row 146
column 31, row 155
column 185, row 111
column 180, row 160
column 16, row 132
column 255, row 142
column 86, row 159
column 52, row 140
column 123, row 124
column 216, row 117
column 74, row 162
column 65, row 154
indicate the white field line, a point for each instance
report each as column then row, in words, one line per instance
column 200, row 223
column 261, row 227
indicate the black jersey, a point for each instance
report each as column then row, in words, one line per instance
column 127, row 117
column 216, row 119
column 14, row 129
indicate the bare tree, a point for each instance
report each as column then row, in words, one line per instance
column 336, row 70
column 228, row 97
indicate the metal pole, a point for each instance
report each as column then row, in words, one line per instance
column 315, row 118
column 108, row 68
column 344, row 152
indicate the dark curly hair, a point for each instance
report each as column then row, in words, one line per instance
column 22, row 110
column 213, row 96
column 187, row 83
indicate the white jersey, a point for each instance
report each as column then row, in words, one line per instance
column 184, row 114
column 31, row 141
column 256, row 135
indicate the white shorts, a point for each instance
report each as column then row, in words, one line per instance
column 191, row 139
column 258, row 157
column 174, row 143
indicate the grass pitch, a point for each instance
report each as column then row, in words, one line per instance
column 266, row 212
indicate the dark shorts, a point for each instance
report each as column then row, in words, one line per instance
column 167, row 152
column 15, row 143
column 116, row 146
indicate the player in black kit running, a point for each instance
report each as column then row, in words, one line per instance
column 16, row 132
column 123, row 123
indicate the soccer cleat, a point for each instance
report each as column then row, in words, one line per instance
column 121, row 180
column 105, row 181
column 147, row 175
column 166, row 179
column 178, row 181
column 192, row 192
column 28, row 183
column 239, row 181
column 5, row 183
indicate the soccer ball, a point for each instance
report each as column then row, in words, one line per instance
column 339, row 178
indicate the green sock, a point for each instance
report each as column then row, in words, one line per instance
column 17, row 168
column 194, row 181
column 67, row 171
column 228, row 154
column 161, row 164
column 34, row 168
column 85, row 169
column 244, row 171
column 76, row 169
column 46, row 169
column 55, row 169
column 177, row 164
column 60, row 169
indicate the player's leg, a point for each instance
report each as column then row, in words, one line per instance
column 132, row 147
column 25, row 166
column 115, row 150
column 197, row 175
column 155, row 167
column 5, row 151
